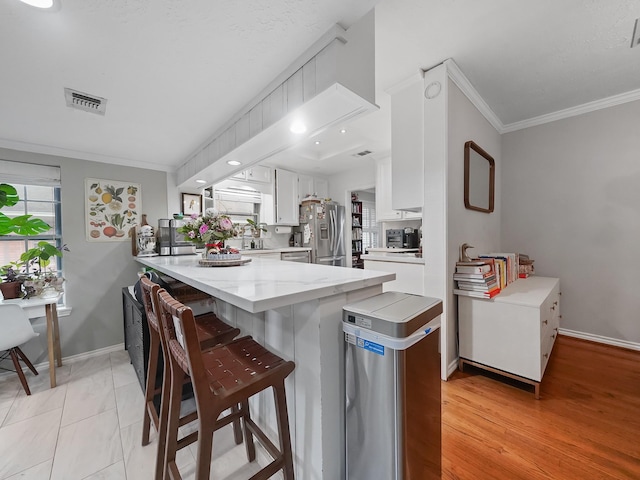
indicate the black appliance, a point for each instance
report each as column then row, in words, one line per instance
column 403, row 238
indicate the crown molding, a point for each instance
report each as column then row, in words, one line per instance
column 463, row 83
column 574, row 111
column 94, row 157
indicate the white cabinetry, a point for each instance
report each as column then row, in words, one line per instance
column 257, row 173
column 384, row 212
column 409, row 276
column 286, row 198
column 407, row 145
column 309, row 185
column 514, row 332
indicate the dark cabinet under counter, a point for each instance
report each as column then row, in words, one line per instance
column 136, row 335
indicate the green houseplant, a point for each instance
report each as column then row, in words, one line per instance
column 37, row 257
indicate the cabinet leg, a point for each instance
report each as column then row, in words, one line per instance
column 536, row 387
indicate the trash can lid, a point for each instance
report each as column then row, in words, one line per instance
column 393, row 313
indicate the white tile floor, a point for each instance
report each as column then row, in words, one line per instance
column 90, row 427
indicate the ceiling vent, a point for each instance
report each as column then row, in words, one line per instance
column 363, row 153
column 85, row 102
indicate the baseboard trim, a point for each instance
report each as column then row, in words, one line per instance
column 75, row 358
column 600, row 339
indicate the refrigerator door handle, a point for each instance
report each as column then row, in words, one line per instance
column 332, row 231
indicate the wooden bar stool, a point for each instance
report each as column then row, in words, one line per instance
column 222, row 377
column 210, row 331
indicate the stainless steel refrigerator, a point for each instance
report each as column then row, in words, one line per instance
column 322, row 228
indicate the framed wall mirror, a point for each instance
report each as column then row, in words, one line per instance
column 479, row 178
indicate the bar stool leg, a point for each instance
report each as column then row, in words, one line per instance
column 279, row 395
column 173, row 422
column 150, row 388
column 206, row 427
column 248, row 436
column 237, row 432
column 164, row 415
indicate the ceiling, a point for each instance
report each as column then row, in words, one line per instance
column 173, row 72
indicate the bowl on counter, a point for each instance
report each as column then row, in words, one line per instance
column 178, row 216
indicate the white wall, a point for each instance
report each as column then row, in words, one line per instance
column 342, row 184
column 95, row 272
column 571, row 200
column 482, row 230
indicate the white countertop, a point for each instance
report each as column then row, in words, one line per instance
column 264, row 251
column 391, row 256
column 265, row 284
column 391, row 250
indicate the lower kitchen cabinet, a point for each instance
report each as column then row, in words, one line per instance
column 136, row 335
column 513, row 333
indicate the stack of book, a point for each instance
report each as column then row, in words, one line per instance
column 505, row 266
column 476, row 278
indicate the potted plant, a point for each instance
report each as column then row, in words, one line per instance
column 24, row 225
column 40, row 278
column 11, row 280
column 256, row 230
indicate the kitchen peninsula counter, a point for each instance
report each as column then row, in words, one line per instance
column 265, row 284
column 294, row 310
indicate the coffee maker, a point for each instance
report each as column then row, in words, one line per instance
column 170, row 241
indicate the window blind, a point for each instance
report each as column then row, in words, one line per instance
column 21, row 173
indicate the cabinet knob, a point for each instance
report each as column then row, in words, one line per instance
column 556, row 329
column 555, row 303
column 559, row 316
column 545, row 322
column 546, row 355
column 553, row 335
column 553, row 307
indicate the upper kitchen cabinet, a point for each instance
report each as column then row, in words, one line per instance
column 407, row 144
column 384, row 212
column 309, row 185
column 257, row 173
column 286, row 198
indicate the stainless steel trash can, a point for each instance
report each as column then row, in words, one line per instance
column 392, row 387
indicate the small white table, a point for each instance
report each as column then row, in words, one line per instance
column 45, row 307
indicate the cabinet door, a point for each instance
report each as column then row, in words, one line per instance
column 383, row 192
column 305, row 186
column 286, row 201
column 321, row 186
column 240, row 175
column 259, row 174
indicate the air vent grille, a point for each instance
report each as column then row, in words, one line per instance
column 85, row 102
column 363, row 153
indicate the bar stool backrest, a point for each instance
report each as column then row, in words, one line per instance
column 181, row 336
column 149, row 299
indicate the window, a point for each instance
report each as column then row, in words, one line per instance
column 38, row 187
column 370, row 232
column 42, row 202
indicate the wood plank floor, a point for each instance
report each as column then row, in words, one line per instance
column 586, row 424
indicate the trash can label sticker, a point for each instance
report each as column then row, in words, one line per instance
column 371, row 346
column 363, row 322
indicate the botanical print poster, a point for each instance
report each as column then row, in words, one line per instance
column 111, row 209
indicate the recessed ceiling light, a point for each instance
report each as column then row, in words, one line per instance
column 234, row 162
column 344, row 130
column 39, row 3
column 298, row 127
column 201, row 181
column 317, row 142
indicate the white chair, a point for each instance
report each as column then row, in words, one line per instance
column 15, row 330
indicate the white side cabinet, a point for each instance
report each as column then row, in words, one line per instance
column 286, row 198
column 409, row 276
column 512, row 334
column 384, row 212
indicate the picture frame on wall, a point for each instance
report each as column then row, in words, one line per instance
column 112, row 208
column 191, row 203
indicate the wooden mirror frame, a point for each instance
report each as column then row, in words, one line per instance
column 468, row 146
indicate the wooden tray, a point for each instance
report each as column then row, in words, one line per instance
column 223, row 263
